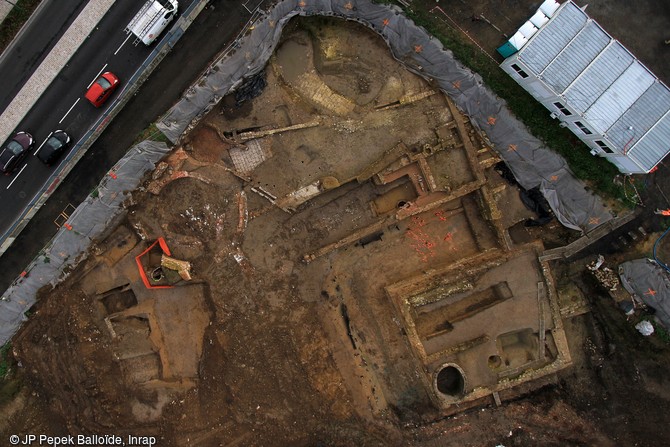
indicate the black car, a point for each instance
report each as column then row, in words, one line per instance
column 54, row 147
column 15, row 151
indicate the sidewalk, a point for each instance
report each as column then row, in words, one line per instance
column 57, row 58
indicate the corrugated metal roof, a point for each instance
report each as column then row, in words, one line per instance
column 598, row 77
column 554, row 36
column 641, row 116
column 619, row 97
column 654, row 146
column 579, row 53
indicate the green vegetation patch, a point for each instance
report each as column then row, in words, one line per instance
column 10, row 384
column 659, row 330
column 5, row 352
column 16, row 18
column 152, row 133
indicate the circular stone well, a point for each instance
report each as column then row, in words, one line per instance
column 494, row 361
column 450, row 380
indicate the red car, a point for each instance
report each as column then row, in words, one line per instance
column 102, row 88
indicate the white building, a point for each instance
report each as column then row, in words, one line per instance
column 592, row 85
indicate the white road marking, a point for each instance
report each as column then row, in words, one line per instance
column 75, row 103
column 17, row 175
column 96, row 77
column 124, row 42
column 45, row 140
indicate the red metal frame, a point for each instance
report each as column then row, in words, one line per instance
column 163, row 245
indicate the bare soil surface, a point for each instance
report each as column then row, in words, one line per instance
column 281, row 352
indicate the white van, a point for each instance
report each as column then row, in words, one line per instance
column 152, row 19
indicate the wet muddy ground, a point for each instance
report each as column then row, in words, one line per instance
column 292, row 353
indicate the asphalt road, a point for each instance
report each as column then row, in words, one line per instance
column 38, row 37
column 61, row 107
column 213, row 29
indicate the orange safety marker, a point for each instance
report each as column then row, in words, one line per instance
column 386, row 22
column 112, row 175
column 650, row 292
column 511, row 147
column 662, row 212
column 24, row 274
column 164, row 248
column 491, row 120
column 418, row 48
column 68, row 226
column 594, row 220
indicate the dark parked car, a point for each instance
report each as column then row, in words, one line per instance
column 14, row 151
column 54, row 147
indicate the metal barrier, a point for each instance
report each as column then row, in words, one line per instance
column 79, row 149
column 64, row 215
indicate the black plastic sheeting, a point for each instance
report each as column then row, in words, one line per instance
column 535, row 201
column 250, row 89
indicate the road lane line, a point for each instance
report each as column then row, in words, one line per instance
column 45, row 140
column 96, row 77
column 124, row 42
column 75, row 103
column 17, row 175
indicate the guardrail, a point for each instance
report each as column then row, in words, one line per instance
column 79, row 149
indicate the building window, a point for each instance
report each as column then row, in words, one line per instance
column 519, row 71
column 604, row 147
column 562, row 108
column 583, row 128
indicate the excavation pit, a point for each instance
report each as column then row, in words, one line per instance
column 450, row 381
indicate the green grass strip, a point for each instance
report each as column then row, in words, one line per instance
column 16, row 18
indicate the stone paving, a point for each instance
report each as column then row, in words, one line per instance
column 246, row 160
column 59, row 56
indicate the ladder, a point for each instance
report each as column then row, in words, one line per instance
column 149, row 23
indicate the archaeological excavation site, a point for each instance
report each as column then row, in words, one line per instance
column 333, row 255
column 353, row 229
